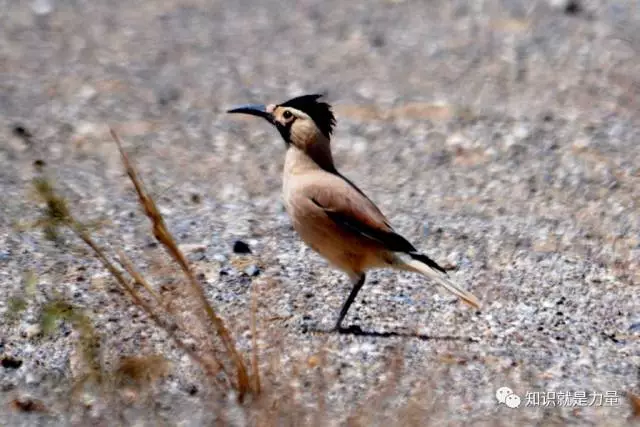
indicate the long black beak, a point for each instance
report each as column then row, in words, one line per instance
column 258, row 110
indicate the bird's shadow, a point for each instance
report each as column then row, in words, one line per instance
column 356, row 330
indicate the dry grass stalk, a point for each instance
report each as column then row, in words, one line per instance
column 138, row 278
column 138, row 371
column 255, row 368
column 320, row 364
column 212, row 367
column 634, row 401
column 169, row 327
column 164, row 237
column 362, row 415
column 61, row 216
column 58, row 215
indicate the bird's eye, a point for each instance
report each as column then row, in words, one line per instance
column 287, row 114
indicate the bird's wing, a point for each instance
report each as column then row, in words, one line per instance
column 350, row 209
column 371, row 204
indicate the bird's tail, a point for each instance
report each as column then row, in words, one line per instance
column 421, row 264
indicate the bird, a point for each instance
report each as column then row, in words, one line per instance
column 329, row 212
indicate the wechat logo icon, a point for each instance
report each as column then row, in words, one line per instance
column 507, row 397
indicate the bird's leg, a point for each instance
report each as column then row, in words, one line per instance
column 357, row 285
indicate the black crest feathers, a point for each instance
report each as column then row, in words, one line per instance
column 320, row 112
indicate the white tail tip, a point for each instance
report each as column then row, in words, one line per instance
column 442, row 280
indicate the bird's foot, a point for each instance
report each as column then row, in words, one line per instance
column 306, row 328
column 351, row 330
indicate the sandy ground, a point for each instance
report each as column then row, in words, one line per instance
column 500, row 137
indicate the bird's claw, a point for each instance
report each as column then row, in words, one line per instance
column 351, row 330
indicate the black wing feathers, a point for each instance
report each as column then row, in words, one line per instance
column 392, row 241
column 377, row 231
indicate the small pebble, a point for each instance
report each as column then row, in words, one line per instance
column 21, row 132
column 220, row 258
column 240, row 247
column 9, row 362
column 28, row 404
column 32, row 379
column 87, row 92
column 33, row 330
column 192, row 390
column 572, row 7
column 252, row 270
column 192, row 248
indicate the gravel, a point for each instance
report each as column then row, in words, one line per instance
column 500, row 137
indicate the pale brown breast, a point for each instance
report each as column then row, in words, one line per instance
column 340, row 247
